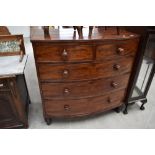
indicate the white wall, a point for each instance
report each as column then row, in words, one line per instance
column 25, row 30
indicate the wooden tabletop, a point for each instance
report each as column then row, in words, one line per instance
column 68, row 34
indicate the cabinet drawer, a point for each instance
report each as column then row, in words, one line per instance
column 52, row 53
column 84, row 71
column 117, row 49
column 69, row 107
column 84, row 89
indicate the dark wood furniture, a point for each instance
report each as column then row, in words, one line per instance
column 14, row 98
column 83, row 76
column 14, row 102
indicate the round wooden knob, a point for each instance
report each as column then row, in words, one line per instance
column 67, row 107
column 114, row 84
column 66, row 91
column 109, row 100
column 65, row 55
column 120, row 51
column 1, row 84
column 65, row 73
column 116, row 67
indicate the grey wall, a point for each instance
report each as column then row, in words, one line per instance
column 25, row 30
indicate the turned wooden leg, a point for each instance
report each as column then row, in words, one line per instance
column 48, row 121
column 79, row 30
column 74, row 27
column 142, row 106
column 90, row 31
column 74, row 35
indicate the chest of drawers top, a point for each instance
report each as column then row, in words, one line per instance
column 64, row 35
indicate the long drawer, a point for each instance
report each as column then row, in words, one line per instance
column 84, row 89
column 69, row 107
column 84, row 71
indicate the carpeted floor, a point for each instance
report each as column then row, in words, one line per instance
column 136, row 118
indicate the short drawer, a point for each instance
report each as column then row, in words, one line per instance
column 53, row 53
column 117, row 49
column 75, row 90
column 84, row 71
column 69, row 107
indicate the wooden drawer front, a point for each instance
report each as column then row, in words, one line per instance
column 84, row 71
column 108, row 51
column 69, row 107
column 49, row 53
column 84, row 89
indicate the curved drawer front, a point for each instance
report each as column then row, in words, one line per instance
column 117, row 49
column 52, row 53
column 84, row 71
column 84, row 89
column 68, row 108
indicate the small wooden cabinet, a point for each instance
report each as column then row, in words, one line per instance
column 14, row 97
column 83, row 76
column 14, row 101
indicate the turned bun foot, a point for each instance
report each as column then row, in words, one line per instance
column 48, row 121
column 142, row 108
column 118, row 109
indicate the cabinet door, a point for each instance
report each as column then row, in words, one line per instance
column 8, row 117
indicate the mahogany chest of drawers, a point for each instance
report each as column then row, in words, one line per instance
column 80, row 77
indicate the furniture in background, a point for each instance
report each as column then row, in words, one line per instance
column 14, row 98
column 4, row 30
column 83, row 76
column 12, row 45
column 145, row 70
